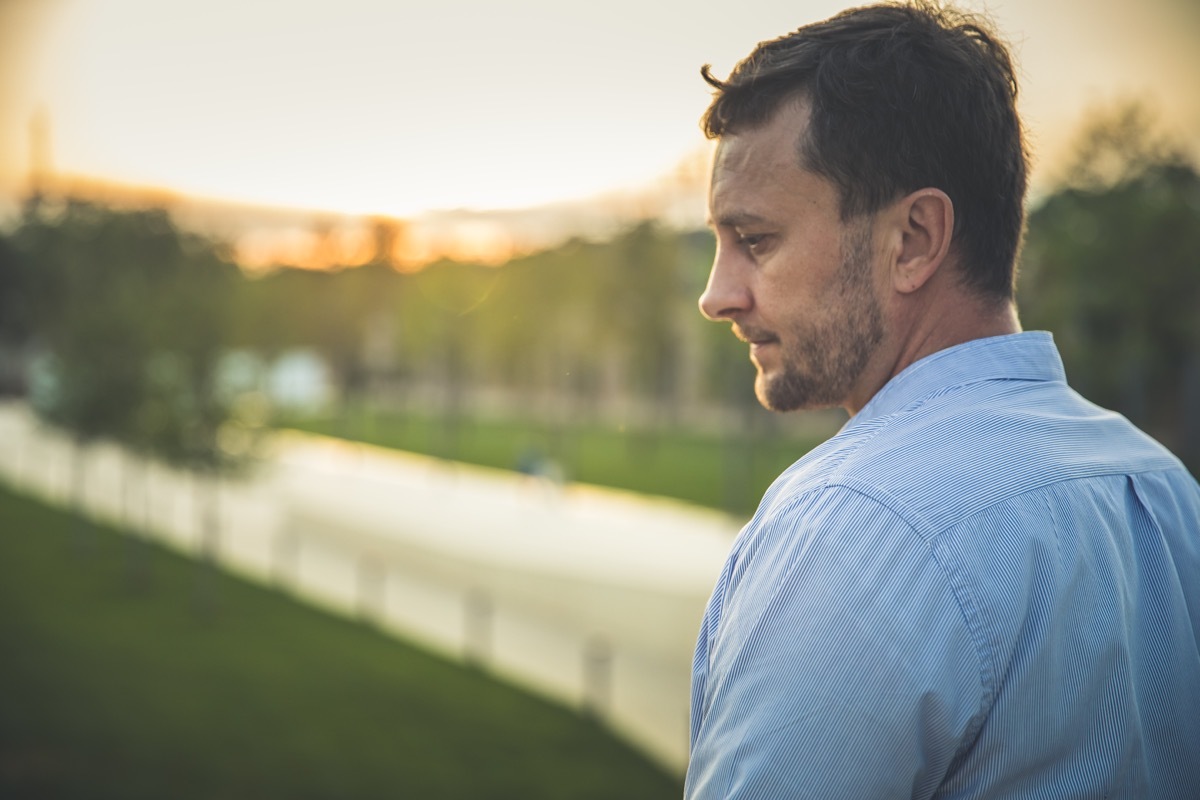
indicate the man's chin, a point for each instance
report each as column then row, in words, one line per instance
column 774, row 397
column 784, row 393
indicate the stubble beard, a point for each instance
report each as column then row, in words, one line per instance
column 827, row 357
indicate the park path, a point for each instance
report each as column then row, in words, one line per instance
column 589, row 596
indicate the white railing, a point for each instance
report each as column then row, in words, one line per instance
column 587, row 596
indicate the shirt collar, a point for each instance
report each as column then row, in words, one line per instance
column 1028, row 356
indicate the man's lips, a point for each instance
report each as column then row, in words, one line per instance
column 759, row 341
column 755, row 338
column 758, row 349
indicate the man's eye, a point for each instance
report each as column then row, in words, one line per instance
column 751, row 241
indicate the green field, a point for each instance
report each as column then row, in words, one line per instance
column 728, row 473
column 122, row 688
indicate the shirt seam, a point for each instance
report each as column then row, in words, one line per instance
column 906, row 512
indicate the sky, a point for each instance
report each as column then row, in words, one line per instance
column 400, row 108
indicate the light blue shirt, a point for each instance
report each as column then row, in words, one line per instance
column 982, row 586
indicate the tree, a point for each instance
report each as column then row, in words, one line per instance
column 132, row 316
column 90, row 379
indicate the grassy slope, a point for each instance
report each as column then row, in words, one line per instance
column 111, row 689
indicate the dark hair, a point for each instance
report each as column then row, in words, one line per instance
column 902, row 96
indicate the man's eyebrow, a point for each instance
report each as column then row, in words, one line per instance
column 736, row 219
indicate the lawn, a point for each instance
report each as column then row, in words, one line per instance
column 120, row 687
column 728, row 473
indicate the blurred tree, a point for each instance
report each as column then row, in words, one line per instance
column 132, row 315
column 1116, row 145
column 545, row 334
column 16, row 317
column 333, row 312
column 1112, row 265
column 91, row 377
column 345, row 301
column 448, row 336
column 643, row 294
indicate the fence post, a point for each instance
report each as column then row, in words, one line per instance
column 597, row 676
column 477, row 643
column 286, row 558
column 372, row 589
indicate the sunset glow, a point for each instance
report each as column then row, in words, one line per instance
column 351, row 242
column 396, row 109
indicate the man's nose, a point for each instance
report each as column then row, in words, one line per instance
column 727, row 294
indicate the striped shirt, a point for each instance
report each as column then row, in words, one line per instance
column 982, row 586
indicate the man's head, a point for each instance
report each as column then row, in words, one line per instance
column 902, row 97
column 867, row 196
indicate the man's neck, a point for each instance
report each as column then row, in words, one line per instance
column 923, row 334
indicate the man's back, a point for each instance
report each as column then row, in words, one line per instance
column 998, row 582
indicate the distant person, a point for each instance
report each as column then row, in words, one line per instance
column 983, row 586
column 540, row 468
column 529, row 462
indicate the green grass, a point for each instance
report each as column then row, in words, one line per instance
column 116, row 689
column 729, row 473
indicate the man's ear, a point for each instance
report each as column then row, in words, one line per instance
column 925, row 221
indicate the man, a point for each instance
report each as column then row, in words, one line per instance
column 983, row 585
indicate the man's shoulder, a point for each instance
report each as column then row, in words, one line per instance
column 962, row 450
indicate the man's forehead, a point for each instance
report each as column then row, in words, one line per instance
column 763, row 149
column 758, row 178
column 757, row 149
column 750, row 171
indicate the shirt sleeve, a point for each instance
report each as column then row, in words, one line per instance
column 840, row 663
